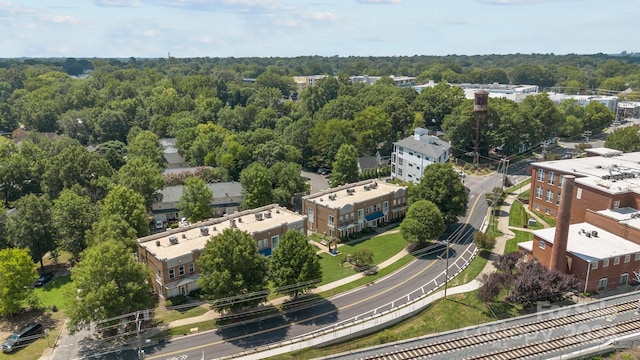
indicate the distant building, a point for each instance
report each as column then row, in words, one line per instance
column 227, row 199
column 170, row 154
column 515, row 93
column 369, row 163
column 611, row 102
column 303, row 82
column 413, row 154
column 172, row 255
column 351, row 208
column 400, row 81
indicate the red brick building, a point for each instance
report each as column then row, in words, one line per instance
column 603, row 243
column 350, row 208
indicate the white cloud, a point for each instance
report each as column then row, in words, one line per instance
column 117, row 3
column 323, row 16
column 380, row 1
column 62, row 19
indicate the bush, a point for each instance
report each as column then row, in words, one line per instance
column 176, row 300
column 195, row 293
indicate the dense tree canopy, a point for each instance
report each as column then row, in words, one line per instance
column 625, row 139
column 195, row 200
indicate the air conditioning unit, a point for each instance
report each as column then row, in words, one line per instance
column 239, row 219
column 267, row 214
column 204, row 231
column 588, row 234
column 374, row 185
column 332, row 196
column 258, row 216
column 594, row 233
column 366, row 187
column 232, row 223
column 173, row 240
column 157, row 242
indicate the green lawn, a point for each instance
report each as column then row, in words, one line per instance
column 55, row 292
column 518, row 217
column 521, row 236
column 548, row 219
column 383, row 247
column 514, row 188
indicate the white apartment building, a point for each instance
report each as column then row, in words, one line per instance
column 413, row 154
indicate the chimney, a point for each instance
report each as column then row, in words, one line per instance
column 559, row 251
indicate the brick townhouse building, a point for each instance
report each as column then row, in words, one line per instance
column 350, row 208
column 172, row 255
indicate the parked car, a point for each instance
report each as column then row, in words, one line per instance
column 23, row 337
column 44, row 278
column 159, row 224
column 323, row 171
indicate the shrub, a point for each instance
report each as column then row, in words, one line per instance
column 176, row 300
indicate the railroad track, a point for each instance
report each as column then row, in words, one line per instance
column 543, row 347
column 534, row 327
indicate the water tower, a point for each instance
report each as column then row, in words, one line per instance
column 480, row 108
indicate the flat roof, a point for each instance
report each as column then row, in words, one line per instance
column 603, row 246
column 357, row 193
column 626, row 215
column 614, row 175
column 190, row 238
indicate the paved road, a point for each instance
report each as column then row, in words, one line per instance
column 237, row 338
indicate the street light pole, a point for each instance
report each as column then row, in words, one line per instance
column 138, row 325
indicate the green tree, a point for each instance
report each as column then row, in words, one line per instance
column 256, row 184
column 234, row 274
column 32, row 227
column 146, row 144
column 142, row 175
column 107, row 282
column 597, row 116
column 72, row 216
column 345, row 166
column 112, row 227
column 441, row 185
column 195, row 199
column 484, row 241
column 129, row 205
column 294, row 265
column 4, row 240
column 423, row 222
column 373, row 127
column 18, row 272
column 626, row 139
column 287, row 182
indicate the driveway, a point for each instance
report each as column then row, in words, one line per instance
column 318, row 182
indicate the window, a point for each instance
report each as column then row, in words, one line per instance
column 579, row 194
column 637, row 257
column 399, row 172
column 410, row 164
column 602, row 284
column 360, row 214
column 263, row 243
column 192, row 268
column 549, row 196
column 540, row 174
column 627, row 258
column 616, row 204
column 401, row 161
column 538, row 192
column 275, row 241
column 616, row 260
column 385, row 206
column 310, row 212
column 181, row 271
column 537, row 207
column 552, row 178
column 605, row 263
column 558, row 199
column 547, row 211
column 624, row 278
column 541, row 244
column 172, row 273
column 560, row 181
column 400, row 150
column 331, row 219
column 594, row 265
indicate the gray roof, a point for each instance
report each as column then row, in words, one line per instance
column 428, row 145
column 220, row 191
column 190, row 170
column 174, row 158
column 367, row 162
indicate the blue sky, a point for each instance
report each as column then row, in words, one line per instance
column 287, row 28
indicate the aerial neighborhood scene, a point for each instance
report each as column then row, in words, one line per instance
column 360, row 179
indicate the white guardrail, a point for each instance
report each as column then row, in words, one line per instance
column 373, row 320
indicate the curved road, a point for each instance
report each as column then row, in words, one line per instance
column 397, row 288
